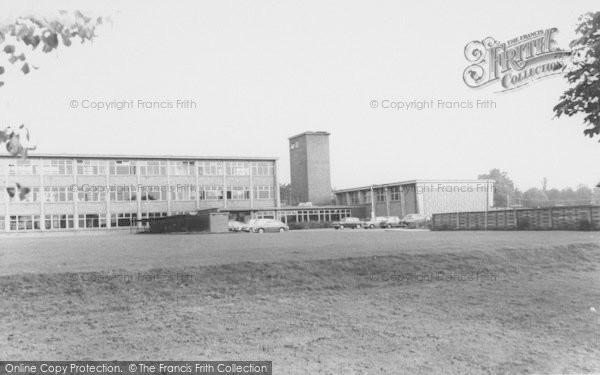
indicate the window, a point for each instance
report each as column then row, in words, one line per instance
column 23, row 167
column 263, row 192
column 380, row 193
column 122, row 167
column 52, row 222
column 238, row 193
column 91, row 167
column 184, row 193
column 33, row 195
column 147, row 217
column 368, row 196
column 1, row 223
column 395, row 193
column 58, row 194
column 183, row 168
column 123, row 220
column 57, row 166
column 24, row 222
column 92, row 195
column 122, row 194
column 152, row 168
column 213, row 193
column 262, row 169
column 154, row 193
column 210, row 168
column 59, row 222
column 354, row 198
column 237, row 168
column 92, row 221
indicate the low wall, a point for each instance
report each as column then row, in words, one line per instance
column 548, row 218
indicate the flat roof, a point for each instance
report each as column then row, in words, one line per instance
column 410, row 182
column 309, row 133
column 287, row 208
column 149, row 157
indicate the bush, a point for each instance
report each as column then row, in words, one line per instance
column 584, row 224
column 523, row 223
column 309, row 225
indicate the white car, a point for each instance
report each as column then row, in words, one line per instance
column 374, row 223
column 235, row 226
column 247, row 227
column 347, row 222
column 268, row 225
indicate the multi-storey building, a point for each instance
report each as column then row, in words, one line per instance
column 419, row 196
column 113, row 191
column 310, row 169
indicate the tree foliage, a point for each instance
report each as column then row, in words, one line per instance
column 503, row 187
column 584, row 76
column 38, row 33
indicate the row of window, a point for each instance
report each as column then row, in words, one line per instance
column 296, row 216
column 141, row 167
column 85, row 221
column 153, row 193
column 380, row 195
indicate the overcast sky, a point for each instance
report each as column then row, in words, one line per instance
column 261, row 71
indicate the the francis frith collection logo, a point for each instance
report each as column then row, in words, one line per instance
column 514, row 63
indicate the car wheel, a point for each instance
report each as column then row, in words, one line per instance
column 371, row 226
column 341, row 227
column 260, row 230
column 281, row 230
column 389, row 225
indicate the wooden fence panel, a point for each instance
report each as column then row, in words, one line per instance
column 548, row 218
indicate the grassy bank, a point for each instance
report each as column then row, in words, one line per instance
column 515, row 310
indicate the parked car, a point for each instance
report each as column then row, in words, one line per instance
column 372, row 223
column 247, row 227
column 269, row 225
column 235, row 226
column 415, row 221
column 391, row 222
column 347, row 222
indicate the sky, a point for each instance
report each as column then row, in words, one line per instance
column 262, row 71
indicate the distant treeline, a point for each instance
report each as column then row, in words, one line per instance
column 507, row 195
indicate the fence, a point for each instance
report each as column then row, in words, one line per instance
column 548, row 218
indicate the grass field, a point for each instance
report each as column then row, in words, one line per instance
column 322, row 301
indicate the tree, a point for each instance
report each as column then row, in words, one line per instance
column 584, row 195
column 503, row 187
column 596, row 196
column 31, row 32
column 584, row 75
column 535, row 197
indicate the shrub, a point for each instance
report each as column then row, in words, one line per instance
column 584, row 224
column 309, row 225
column 523, row 223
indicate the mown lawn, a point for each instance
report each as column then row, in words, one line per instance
column 331, row 303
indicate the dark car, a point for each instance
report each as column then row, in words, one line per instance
column 391, row 222
column 347, row 222
column 415, row 221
